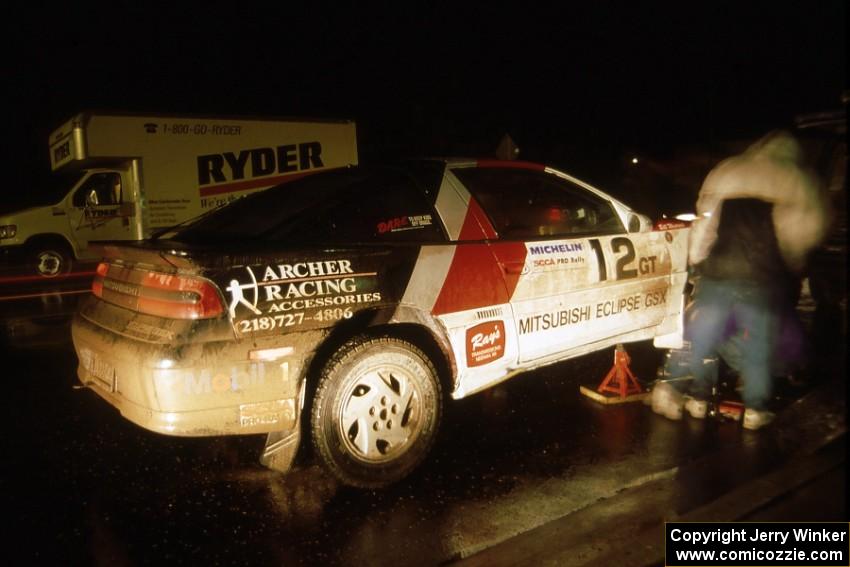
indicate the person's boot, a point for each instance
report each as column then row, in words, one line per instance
column 756, row 419
column 667, row 401
column 697, row 408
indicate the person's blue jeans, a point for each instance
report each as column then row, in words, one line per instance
column 747, row 310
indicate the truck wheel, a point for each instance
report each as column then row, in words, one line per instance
column 51, row 261
column 376, row 411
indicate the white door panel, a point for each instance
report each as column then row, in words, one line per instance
column 579, row 291
column 485, row 345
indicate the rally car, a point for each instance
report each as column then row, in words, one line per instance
column 355, row 299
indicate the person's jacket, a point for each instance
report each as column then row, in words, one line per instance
column 745, row 248
column 770, row 170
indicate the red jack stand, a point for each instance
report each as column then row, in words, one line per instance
column 619, row 380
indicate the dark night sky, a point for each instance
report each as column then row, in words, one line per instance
column 574, row 86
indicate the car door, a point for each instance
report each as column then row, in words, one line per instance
column 582, row 278
column 95, row 209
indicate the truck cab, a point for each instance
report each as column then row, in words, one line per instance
column 99, row 205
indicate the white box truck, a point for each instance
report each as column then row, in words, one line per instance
column 130, row 175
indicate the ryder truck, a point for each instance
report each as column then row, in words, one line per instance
column 130, row 175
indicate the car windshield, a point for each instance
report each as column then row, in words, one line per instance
column 347, row 205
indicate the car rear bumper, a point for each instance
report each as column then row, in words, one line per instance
column 213, row 391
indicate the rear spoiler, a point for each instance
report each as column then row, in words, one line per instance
column 139, row 253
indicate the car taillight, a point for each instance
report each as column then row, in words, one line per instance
column 166, row 295
column 97, row 282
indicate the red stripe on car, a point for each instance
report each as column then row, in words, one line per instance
column 510, row 164
column 475, row 277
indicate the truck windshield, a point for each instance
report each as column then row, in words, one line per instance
column 48, row 189
column 58, row 186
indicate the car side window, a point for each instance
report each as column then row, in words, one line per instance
column 385, row 207
column 527, row 204
column 98, row 190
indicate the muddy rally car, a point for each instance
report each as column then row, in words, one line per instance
column 350, row 303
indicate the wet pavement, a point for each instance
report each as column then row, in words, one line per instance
column 36, row 311
column 530, row 466
column 794, row 471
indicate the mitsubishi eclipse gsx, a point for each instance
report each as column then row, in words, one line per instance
column 353, row 300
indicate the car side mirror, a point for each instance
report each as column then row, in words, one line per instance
column 639, row 223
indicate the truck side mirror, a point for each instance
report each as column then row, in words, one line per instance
column 91, row 198
column 127, row 209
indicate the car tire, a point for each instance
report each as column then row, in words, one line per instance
column 51, row 261
column 376, row 411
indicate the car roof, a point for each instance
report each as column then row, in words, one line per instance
column 456, row 162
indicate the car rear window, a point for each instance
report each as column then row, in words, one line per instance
column 344, row 206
